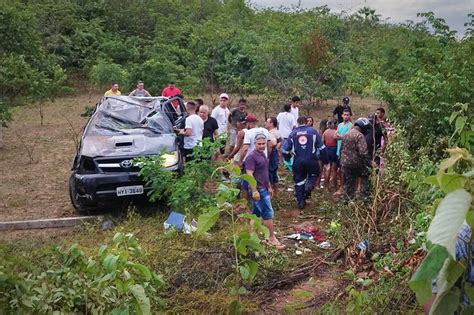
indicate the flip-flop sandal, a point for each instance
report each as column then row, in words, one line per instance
column 277, row 245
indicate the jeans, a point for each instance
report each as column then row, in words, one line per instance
column 273, row 167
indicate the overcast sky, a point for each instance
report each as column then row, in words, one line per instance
column 453, row 11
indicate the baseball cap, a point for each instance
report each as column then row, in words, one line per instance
column 224, row 95
column 251, row 118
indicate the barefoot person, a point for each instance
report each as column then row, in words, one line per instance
column 256, row 165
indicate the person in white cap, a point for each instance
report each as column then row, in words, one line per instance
column 221, row 113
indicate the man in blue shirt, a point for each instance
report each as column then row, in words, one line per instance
column 304, row 143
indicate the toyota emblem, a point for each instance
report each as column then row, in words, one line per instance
column 126, row 163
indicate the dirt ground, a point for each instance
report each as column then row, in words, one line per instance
column 35, row 160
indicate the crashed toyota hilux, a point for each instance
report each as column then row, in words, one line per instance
column 121, row 129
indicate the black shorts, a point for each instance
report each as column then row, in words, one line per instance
column 323, row 156
column 332, row 154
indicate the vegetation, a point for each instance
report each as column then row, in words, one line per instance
column 421, row 71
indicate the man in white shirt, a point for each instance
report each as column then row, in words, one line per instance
column 286, row 122
column 249, row 138
column 192, row 131
column 221, row 113
column 295, row 106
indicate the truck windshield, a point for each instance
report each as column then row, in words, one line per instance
column 129, row 118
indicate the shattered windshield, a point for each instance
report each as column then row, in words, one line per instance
column 128, row 116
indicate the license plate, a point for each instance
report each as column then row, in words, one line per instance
column 130, row 190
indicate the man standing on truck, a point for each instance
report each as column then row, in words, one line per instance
column 114, row 90
column 171, row 90
column 140, row 90
column 192, row 131
column 236, row 115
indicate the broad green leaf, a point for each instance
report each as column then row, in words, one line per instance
column 456, row 154
column 207, row 220
column 141, row 269
column 102, row 250
column 448, row 275
column 142, row 301
column 257, row 223
column 453, row 116
column 244, row 272
column 469, row 288
column 118, row 238
column 449, row 216
column 252, row 266
column 432, row 180
column 110, row 262
column 234, row 170
column 420, row 283
column 242, row 290
column 470, row 218
column 446, row 303
column 451, row 182
column 235, row 308
column 120, row 311
column 249, row 179
column 460, row 122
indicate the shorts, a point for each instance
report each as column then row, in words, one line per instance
column 323, row 156
column 262, row 208
column 232, row 137
column 332, row 154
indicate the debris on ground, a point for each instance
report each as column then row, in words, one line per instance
column 324, row 245
column 176, row 220
column 107, row 225
column 308, row 228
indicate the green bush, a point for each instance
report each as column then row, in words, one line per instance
column 72, row 282
column 105, row 73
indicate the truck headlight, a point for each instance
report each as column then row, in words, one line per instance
column 170, row 159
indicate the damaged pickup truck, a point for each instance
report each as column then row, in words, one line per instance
column 121, row 129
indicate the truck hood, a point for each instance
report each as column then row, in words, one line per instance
column 136, row 144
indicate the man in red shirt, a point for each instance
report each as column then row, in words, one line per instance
column 171, row 90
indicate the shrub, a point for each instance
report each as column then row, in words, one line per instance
column 71, row 282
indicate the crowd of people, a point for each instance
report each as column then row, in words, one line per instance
column 337, row 157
